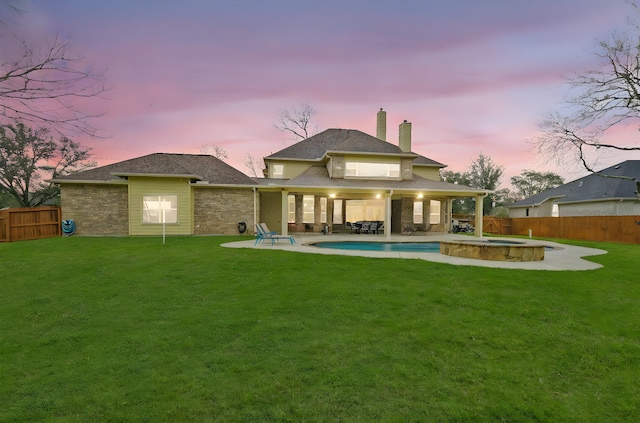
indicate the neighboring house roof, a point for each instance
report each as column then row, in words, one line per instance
column 592, row 187
column 318, row 177
column 195, row 166
column 330, row 141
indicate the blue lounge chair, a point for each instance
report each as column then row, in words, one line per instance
column 265, row 234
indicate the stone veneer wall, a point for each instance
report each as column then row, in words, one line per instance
column 96, row 209
column 337, row 167
column 407, row 212
column 217, row 211
column 406, row 169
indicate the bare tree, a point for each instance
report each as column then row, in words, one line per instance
column 253, row 165
column 605, row 97
column 297, row 121
column 214, row 150
column 42, row 81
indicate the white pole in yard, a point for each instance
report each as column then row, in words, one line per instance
column 164, row 225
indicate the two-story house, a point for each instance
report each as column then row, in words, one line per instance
column 317, row 184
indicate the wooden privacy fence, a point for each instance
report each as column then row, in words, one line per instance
column 20, row 224
column 624, row 229
column 496, row 225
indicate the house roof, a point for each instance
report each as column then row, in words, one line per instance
column 195, row 166
column 318, row 177
column 334, row 140
column 592, row 187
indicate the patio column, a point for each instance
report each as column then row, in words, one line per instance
column 387, row 216
column 479, row 211
column 285, row 213
column 448, row 214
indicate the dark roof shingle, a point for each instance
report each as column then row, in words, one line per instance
column 592, row 187
column 199, row 166
column 343, row 140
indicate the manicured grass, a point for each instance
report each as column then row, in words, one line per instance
column 128, row 329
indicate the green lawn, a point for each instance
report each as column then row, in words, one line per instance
column 129, row 329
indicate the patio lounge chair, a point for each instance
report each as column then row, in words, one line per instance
column 265, row 234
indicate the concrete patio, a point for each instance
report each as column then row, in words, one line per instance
column 561, row 257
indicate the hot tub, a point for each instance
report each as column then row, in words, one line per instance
column 494, row 249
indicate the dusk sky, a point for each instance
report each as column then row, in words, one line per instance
column 472, row 76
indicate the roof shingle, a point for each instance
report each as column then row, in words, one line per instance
column 592, row 187
column 199, row 166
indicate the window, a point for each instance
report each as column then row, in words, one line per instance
column 160, row 209
column 555, row 211
column 278, row 171
column 337, row 212
column 308, row 208
column 357, row 210
column 417, row 212
column 434, row 212
column 291, row 209
column 372, row 170
column 323, row 210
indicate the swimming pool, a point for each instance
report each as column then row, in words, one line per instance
column 407, row 247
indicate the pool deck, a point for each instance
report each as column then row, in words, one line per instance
column 562, row 257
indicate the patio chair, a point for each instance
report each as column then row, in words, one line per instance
column 408, row 230
column 264, row 234
column 373, row 228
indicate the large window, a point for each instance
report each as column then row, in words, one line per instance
column 160, row 209
column 434, row 212
column 291, row 210
column 337, row 212
column 323, row 210
column 372, row 170
column 307, row 208
column 278, row 171
column 417, row 212
column 358, row 210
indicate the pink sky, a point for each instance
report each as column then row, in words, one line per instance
column 472, row 76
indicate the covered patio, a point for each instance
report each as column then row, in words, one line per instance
column 394, row 210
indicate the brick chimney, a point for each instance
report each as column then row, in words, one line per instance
column 381, row 130
column 404, row 139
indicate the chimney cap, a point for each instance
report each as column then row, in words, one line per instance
column 405, row 121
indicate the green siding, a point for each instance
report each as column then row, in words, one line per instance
column 271, row 210
column 428, row 172
column 291, row 169
column 141, row 186
column 370, row 159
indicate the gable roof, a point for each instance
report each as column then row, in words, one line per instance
column 335, row 140
column 592, row 187
column 201, row 167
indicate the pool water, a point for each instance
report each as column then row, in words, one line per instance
column 407, row 247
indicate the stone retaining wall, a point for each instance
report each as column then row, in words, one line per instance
column 493, row 251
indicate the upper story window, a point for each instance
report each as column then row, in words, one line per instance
column 278, row 171
column 372, row 170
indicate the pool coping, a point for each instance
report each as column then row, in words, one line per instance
column 562, row 257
